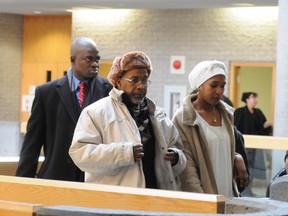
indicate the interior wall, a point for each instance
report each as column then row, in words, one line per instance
column 230, row 34
column 11, row 26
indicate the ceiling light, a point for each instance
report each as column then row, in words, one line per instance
column 243, row 5
column 37, row 12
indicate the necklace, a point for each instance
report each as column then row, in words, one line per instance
column 207, row 115
column 214, row 115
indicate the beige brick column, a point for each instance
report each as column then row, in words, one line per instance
column 281, row 99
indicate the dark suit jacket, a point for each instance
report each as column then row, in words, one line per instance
column 54, row 115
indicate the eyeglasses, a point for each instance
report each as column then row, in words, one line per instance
column 137, row 81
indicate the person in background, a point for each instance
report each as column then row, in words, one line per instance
column 205, row 124
column 227, row 100
column 282, row 172
column 251, row 120
column 55, row 111
column 124, row 139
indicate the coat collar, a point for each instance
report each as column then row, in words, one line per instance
column 189, row 113
column 115, row 94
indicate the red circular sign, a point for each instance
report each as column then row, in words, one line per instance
column 177, row 64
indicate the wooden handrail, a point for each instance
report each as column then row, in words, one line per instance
column 266, row 142
column 8, row 165
column 8, row 208
column 52, row 193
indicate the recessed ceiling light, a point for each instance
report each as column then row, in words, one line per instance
column 243, row 5
column 37, row 12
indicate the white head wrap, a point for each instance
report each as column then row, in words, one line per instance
column 204, row 71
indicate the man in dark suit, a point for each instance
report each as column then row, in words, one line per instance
column 55, row 112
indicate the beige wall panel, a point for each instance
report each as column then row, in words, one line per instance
column 46, row 38
column 46, row 47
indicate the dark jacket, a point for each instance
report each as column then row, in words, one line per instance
column 54, row 115
column 251, row 123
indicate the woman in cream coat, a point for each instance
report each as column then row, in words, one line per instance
column 205, row 124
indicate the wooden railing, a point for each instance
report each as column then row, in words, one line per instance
column 53, row 193
column 8, row 165
column 8, row 208
column 266, row 142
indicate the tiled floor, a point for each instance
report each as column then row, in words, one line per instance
column 259, row 188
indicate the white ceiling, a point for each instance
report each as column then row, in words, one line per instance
column 27, row 7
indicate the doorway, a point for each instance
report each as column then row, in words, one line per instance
column 257, row 77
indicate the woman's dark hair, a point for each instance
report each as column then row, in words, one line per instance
column 246, row 95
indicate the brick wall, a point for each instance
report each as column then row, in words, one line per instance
column 11, row 27
column 198, row 34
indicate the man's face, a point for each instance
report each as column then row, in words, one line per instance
column 134, row 83
column 85, row 62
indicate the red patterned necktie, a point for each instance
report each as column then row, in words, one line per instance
column 81, row 87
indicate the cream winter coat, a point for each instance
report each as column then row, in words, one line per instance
column 103, row 139
column 198, row 175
